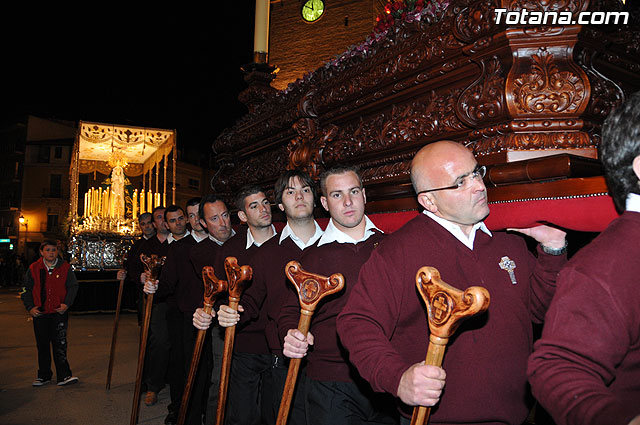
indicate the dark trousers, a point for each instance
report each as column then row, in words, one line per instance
column 175, row 371
column 244, row 400
column 345, row 403
column 274, row 383
column 158, row 349
column 201, row 381
column 51, row 331
column 217, row 352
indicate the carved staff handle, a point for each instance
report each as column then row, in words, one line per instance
column 212, row 288
column 152, row 264
column 311, row 289
column 447, row 308
column 238, row 278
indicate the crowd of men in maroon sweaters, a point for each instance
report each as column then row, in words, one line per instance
column 363, row 357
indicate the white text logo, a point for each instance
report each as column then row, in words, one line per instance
column 524, row 17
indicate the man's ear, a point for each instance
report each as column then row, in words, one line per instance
column 364, row 195
column 242, row 216
column 323, row 201
column 636, row 166
column 427, row 201
column 281, row 207
column 203, row 223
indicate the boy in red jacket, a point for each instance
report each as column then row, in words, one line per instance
column 50, row 288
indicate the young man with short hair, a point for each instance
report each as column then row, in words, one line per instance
column 251, row 358
column 347, row 243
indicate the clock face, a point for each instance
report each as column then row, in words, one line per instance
column 312, row 10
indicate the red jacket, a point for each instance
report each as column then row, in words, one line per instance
column 55, row 286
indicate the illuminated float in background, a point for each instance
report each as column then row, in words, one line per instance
column 104, row 219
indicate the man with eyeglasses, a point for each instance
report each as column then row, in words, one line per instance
column 384, row 323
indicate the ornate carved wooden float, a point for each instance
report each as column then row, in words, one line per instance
column 528, row 99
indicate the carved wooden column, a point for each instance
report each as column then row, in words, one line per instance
column 545, row 91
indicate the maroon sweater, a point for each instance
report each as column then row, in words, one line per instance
column 270, row 286
column 328, row 360
column 586, row 367
column 384, row 324
column 250, row 336
column 178, row 278
column 202, row 254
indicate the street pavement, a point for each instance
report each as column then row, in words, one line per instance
column 86, row 402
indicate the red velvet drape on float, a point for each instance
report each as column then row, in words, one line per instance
column 585, row 214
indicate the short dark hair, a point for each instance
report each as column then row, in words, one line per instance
column 193, row 201
column 172, row 208
column 283, row 183
column 207, row 199
column 338, row 169
column 48, row 242
column 619, row 145
column 248, row 190
column 159, row 207
column 144, row 215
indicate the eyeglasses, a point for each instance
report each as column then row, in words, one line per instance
column 464, row 181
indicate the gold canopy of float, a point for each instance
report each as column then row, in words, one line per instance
column 119, row 152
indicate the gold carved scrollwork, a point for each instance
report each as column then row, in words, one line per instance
column 546, row 89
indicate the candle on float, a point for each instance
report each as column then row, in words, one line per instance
column 105, row 203
column 134, row 207
column 164, row 199
column 90, row 202
column 149, row 201
column 99, row 203
column 112, row 204
column 261, row 31
column 86, row 198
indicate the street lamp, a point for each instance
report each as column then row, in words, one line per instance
column 25, row 223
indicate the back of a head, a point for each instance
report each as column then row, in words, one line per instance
column 619, row 146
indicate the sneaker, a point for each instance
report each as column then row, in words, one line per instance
column 151, row 398
column 68, row 380
column 40, row 382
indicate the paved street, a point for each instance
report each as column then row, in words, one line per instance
column 84, row 403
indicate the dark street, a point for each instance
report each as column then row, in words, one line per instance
column 84, row 403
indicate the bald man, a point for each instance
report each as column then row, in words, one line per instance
column 384, row 323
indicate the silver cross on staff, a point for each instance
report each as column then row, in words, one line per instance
column 509, row 265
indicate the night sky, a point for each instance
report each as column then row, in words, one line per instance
column 176, row 67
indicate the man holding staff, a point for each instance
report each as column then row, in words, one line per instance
column 295, row 196
column 335, row 393
column 251, row 357
column 214, row 216
column 157, row 357
column 178, row 283
column 384, row 323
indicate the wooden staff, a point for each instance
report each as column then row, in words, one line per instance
column 114, row 336
column 237, row 278
column 447, row 307
column 212, row 288
column 311, row 289
column 152, row 265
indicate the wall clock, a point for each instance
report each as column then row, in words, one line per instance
column 312, row 10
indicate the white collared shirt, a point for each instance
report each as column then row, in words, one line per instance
column 170, row 238
column 457, row 232
column 633, row 202
column 146, row 238
column 251, row 241
column 233, row 233
column 333, row 234
column 288, row 233
column 198, row 238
